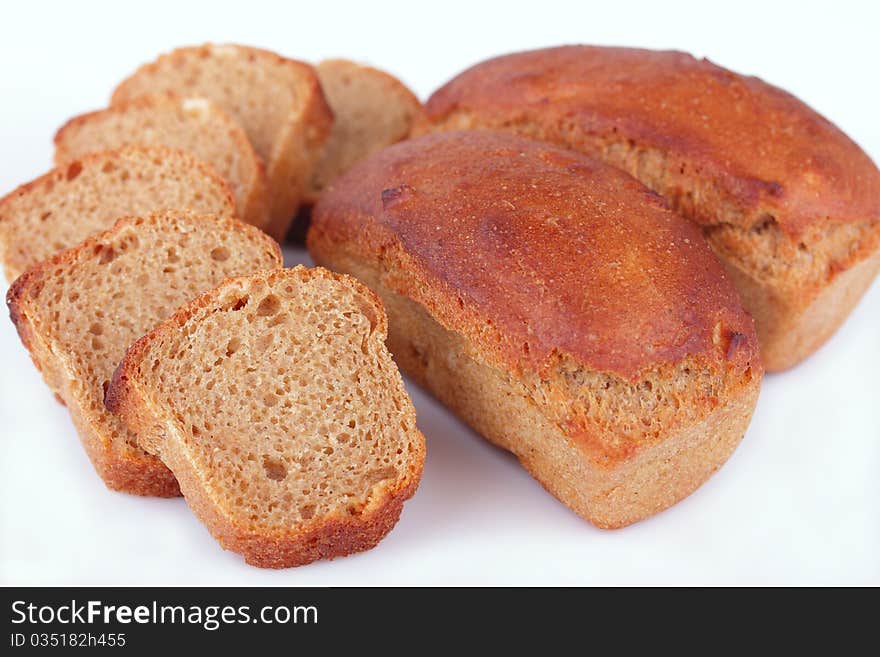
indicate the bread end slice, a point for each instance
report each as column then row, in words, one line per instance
column 78, row 311
column 371, row 109
column 275, row 402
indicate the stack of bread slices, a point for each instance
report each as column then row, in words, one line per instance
column 152, row 296
column 589, row 254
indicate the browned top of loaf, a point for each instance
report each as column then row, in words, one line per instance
column 767, row 150
column 533, row 251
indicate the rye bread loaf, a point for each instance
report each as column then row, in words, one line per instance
column 275, row 402
column 86, row 196
column 78, row 311
column 558, row 307
column 278, row 102
column 787, row 201
column 371, row 110
column 189, row 124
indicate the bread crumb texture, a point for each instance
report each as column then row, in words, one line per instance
column 79, row 311
column 275, row 401
column 87, row 195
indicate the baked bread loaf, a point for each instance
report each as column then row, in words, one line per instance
column 87, row 196
column 371, row 110
column 78, row 312
column 277, row 101
column 786, row 200
column 275, row 402
column 558, row 307
column 188, row 124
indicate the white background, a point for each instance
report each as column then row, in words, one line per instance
column 797, row 503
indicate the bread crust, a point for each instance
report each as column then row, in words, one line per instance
column 121, row 469
column 502, row 315
column 299, row 144
column 758, row 160
column 253, row 205
column 322, row 537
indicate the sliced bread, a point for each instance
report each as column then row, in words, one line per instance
column 190, row 124
column 78, row 312
column 275, row 402
column 87, row 196
column 371, row 110
column 277, row 101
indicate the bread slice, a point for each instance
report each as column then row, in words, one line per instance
column 277, row 101
column 371, row 110
column 87, row 196
column 276, row 404
column 190, row 124
column 556, row 305
column 787, row 201
column 78, row 312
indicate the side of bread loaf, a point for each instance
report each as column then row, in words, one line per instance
column 189, row 124
column 87, row 195
column 558, row 307
column 278, row 101
column 371, row 110
column 79, row 310
column 275, row 402
column 787, row 201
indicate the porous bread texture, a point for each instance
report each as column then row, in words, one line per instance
column 275, row 402
column 780, row 276
column 614, row 450
column 371, row 110
column 87, row 196
column 190, row 124
column 278, row 102
column 78, row 311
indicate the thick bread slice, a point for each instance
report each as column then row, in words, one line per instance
column 189, row 124
column 788, row 202
column 78, row 312
column 371, row 110
column 558, row 306
column 276, row 404
column 277, row 101
column 87, row 196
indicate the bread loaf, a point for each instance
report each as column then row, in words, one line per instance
column 78, row 312
column 277, row 101
column 371, row 110
column 558, row 307
column 786, row 200
column 87, row 195
column 189, row 124
column 276, row 404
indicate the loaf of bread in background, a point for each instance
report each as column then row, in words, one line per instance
column 371, row 110
column 278, row 102
column 87, row 195
column 282, row 415
column 189, row 124
column 558, row 307
column 786, row 200
column 79, row 311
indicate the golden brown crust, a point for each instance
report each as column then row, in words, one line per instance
column 533, row 251
column 765, row 151
column 323, row 537
column 121, row 468
column 786, row 200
